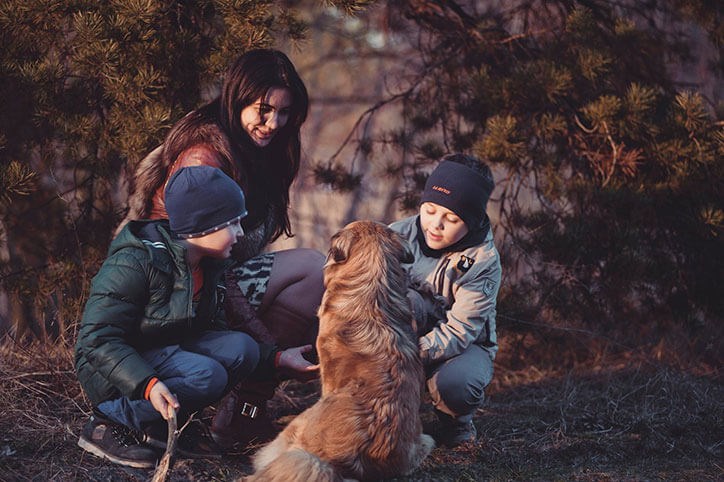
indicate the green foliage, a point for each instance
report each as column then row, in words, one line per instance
column 88, row 88
column 502, row 141
column 350, row 7
column 609, row 173
column 337, row 177
column 15, row 180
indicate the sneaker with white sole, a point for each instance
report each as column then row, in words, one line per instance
column 117, row 443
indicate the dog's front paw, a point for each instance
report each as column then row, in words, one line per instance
column 427, row 443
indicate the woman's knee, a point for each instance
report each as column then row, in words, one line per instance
column 297, row 265
column 311, row 265
column 311, row 258
column 296, row 281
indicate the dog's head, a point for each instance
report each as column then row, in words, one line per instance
column 367, row 239
column 365, row 264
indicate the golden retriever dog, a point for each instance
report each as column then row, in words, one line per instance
column 366, row 424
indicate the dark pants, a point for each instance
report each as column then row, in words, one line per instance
column 198, row 372
column 457, row 385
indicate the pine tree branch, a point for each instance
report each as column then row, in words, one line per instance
column 587, row 130
column 523, row 35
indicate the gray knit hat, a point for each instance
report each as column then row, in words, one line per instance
column 201, row 200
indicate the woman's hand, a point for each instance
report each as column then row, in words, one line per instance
column 163, row 400
column 292, row 361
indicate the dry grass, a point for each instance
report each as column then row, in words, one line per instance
column 614, row 417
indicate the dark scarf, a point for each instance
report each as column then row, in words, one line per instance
column 258, row 178
column 472, row 238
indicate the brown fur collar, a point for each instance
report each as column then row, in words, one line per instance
column 196, row 128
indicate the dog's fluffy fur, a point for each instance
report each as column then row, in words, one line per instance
column 366, row 424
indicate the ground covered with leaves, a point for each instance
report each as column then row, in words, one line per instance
column 628, row 416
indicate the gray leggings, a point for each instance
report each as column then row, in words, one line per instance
column 457, row 385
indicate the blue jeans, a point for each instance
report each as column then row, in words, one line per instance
column 199, row 372
column 457, row 386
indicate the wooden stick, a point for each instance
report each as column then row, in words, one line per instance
column 164, row 467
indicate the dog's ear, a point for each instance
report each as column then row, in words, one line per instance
column 336, row 255
column 339, row 249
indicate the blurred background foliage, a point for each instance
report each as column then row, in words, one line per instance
column 601, row 120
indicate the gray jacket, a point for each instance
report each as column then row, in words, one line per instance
column 466, row 284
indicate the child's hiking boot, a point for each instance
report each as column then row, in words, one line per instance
column 194, row 441
column 117, row 443
column 456, row 431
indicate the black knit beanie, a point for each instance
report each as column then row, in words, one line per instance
column 460, row 189
column 201, row 200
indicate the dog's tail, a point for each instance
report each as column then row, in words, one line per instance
column 297, row 465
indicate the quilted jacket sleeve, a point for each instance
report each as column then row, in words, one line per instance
column 111, row 322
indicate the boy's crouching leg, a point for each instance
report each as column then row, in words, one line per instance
column 457, row 390
column 235, row 351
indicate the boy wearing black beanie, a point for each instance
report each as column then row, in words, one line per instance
column 153, row 338
column 455, row 276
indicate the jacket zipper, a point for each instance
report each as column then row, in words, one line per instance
column 440, row 274
column 190, row 316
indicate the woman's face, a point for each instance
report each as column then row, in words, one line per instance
column 441, row 226
column 263, row 119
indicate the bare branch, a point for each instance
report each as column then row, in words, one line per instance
column 362, row 116
column 164, row 467
column 614, row 155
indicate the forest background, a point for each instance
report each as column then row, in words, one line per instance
column 602, row 122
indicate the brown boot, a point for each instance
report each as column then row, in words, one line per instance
column 241, row 417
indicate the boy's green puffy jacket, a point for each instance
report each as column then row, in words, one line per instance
column 140, row 298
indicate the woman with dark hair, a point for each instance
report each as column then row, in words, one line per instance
column 251, row 132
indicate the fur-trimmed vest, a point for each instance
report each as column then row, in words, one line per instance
column 195, row 130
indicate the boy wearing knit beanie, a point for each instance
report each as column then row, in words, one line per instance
column 455, row 277
column 153, row 339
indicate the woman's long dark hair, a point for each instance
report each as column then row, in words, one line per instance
column 266, row 173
